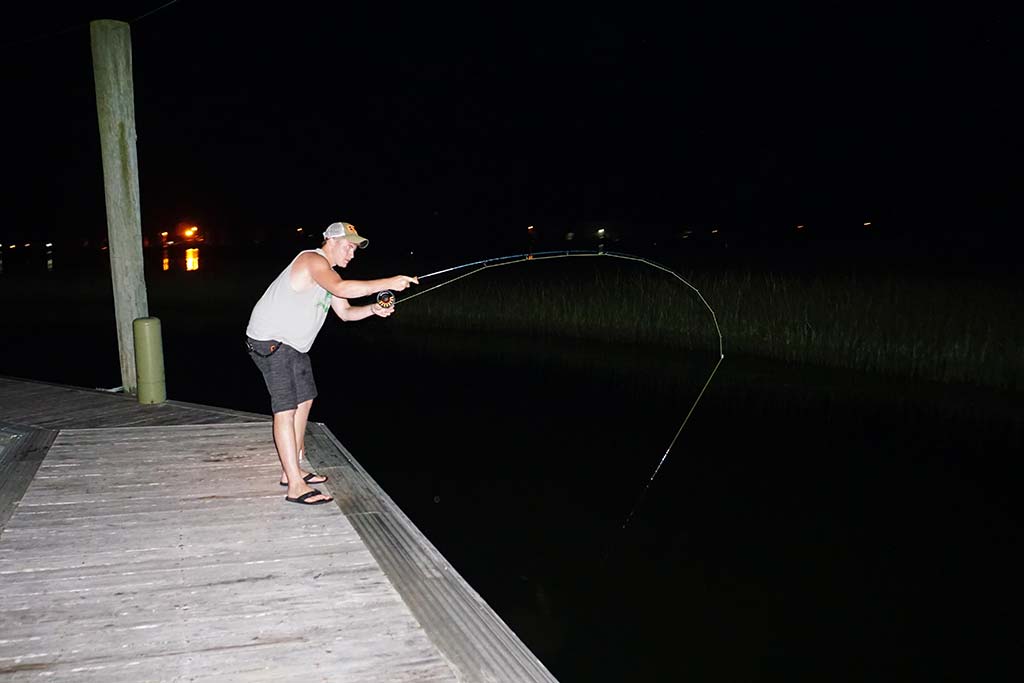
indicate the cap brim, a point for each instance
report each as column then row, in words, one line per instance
column 360, row 242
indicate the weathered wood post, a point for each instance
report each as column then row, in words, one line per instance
column 115, row 107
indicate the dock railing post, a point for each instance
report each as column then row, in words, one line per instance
column 149, row 360
column 115, row 108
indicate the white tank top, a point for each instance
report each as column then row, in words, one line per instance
column 285, row 315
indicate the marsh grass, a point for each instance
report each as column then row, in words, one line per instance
column 964, row 330
column 949, row 329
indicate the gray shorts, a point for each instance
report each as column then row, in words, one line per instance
column 287, row 373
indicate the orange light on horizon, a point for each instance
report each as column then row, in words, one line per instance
column 186, row 231
column 192, row 259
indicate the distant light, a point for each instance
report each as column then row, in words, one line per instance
column 868, row 224
column 191, row 259
column 49, row 244
column 28, row 244
column 529, row 227
column 714, row 231
column 799, row 227
column 163, row 234
column 13, row 246
column 298, row 229
column 600, row 231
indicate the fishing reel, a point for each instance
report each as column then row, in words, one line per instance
column 386, row 299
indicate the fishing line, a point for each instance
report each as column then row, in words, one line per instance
column 387, row 299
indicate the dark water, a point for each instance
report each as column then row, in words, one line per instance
column 806, row 526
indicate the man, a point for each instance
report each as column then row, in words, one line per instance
column 282, row 328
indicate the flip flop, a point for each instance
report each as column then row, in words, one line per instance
column 302, row 500
column 309, row 479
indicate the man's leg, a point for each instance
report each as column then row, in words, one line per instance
column 301, row 417
column 287, row 451
column 300, row 420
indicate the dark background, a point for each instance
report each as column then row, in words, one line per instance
column 412, row 119
column 806, row 526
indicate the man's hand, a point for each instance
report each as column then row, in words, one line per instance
column 400, row 282
column 380, row 311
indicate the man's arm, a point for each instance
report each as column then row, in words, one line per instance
column 320, row 271
column 349, row 313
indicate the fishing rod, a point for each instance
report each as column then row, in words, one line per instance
column 386, row 299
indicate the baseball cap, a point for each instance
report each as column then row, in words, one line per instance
column 346, row 230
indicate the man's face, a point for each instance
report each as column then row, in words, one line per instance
column 346, row 251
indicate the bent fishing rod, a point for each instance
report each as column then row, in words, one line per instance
column 386, row 299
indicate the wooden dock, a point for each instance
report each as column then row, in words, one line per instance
column 152, row 543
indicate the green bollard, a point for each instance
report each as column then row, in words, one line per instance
column 149, row 361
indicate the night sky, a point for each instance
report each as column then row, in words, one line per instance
column 410, row 119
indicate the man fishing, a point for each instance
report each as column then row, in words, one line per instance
column 283, row 325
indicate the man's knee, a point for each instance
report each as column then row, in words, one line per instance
column 284, row 415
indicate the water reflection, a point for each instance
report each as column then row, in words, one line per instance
column 189, row 261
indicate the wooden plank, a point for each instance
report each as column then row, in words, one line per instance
column 129, row 532
column 21, row 452
column 167, row 553
column 53, row 406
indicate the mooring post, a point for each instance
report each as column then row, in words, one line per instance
column 115, row 108
column 149, row 361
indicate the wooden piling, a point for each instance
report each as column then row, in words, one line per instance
column 115, row 108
